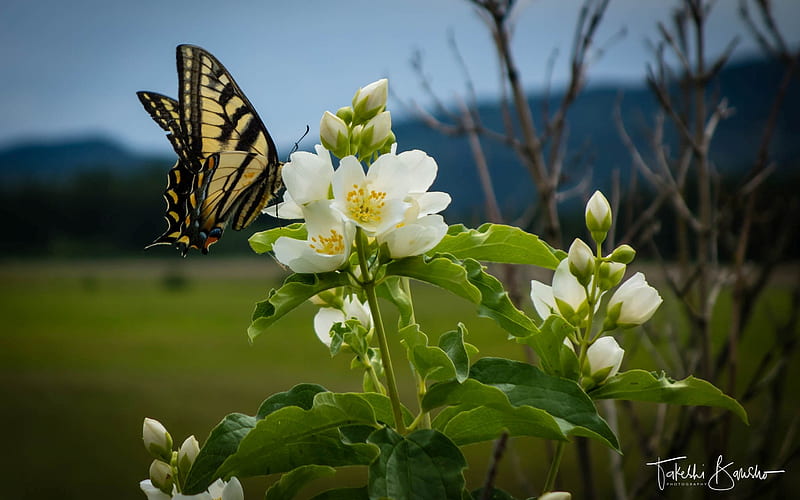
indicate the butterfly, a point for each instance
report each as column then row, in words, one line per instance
column 227, row 168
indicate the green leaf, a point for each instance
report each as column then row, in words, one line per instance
column 555, row 358
column 423, row 464
column 296, row 289
column 262, row 242
column 498, row 243
column 495, row 303
column 484, row 412
column 641, row 385
column 392, row 290
column 382, row 406
column 221, row 443
column 439, row 271
column 291, row 437
column 292, row 482
column 344, row 494
column 301, row 395
column 564, row 399
column 428, row 361
column 452, row 343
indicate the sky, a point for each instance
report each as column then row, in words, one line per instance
column 71, row 69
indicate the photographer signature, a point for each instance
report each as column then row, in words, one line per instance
column 670, row 472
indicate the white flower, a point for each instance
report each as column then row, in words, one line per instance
column 157, row 440
column 375, row 200
column 307, row 178
column 569, row 294
column 543, row 301
column 605, row 358
column 371, row 100
column 333, row 133
column 219, row 490
column 414, row 238
column 152, row 492
column 581, row 261
column 421, row 170
column 632, row 304
column 326, row 317
column 329, row 242
column 598, row 213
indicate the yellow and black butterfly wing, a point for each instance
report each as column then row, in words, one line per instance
column 224, row 151
column 165, row 111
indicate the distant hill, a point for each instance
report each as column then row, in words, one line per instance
column 88, row 169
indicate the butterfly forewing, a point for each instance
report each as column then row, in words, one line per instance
column 227, row 167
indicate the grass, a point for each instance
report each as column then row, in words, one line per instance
column 88, row 349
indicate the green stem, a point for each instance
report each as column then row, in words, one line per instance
column 423, row 420
column 550, row 482
column 386, row 359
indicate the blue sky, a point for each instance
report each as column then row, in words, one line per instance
column 72, row 68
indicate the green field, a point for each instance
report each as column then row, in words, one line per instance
column 88, row 349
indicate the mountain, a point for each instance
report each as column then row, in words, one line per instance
column 108, row 197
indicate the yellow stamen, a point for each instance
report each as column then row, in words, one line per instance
column 365, row 206
column 332, row 245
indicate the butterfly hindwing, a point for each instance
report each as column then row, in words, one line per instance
column 227, row 168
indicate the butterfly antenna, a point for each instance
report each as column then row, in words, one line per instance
column 297, row 143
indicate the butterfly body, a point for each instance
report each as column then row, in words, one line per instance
column 227, row 169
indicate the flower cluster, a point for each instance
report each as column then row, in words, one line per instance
column 389, row 203
column 169, row 469
column 581, row 281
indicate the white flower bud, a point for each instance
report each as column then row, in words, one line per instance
column 157, row 440
column 161, row 475
column 333, row 134
column 375, row 133
column 605, row 358
column 152, row 492
column 570, row 295
column 370, row 100
column 581, row 261
column 598, row 216
column 187, row 454
column 611, row 273
column 556, row 495
column 632, row 304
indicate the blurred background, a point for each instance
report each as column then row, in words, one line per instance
column 685, row 113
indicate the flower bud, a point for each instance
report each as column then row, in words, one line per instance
column 188, row 452
column 623, row 254
column 611, row 273
column 370, row 100
column 556, row 495
column 345, row 113
column 161, row 476
column 157, row 440
column 604, row 358
column 570, row 296
column 581, row 261
column 632, row 304
column 333, row 134
column 375, row 133
column 598, row 216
